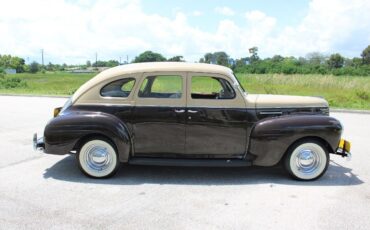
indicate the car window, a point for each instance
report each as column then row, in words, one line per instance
column 204, row 87
column 120, row 88
column 164, row 86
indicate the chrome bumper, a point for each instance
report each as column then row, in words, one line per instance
column 38, row 143
column 343, row 153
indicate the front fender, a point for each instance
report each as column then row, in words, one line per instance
column 271, row 137
column 62, row 133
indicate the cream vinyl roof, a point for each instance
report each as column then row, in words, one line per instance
column 150, row 67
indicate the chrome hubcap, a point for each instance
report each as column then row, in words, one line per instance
column 98, row 158
column 307, row 161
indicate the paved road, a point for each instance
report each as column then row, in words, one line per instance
column 45, row 191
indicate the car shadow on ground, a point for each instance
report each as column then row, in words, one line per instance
column 67, row 170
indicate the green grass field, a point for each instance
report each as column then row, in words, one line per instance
column 340, row 91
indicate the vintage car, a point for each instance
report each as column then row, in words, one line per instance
column 190, row 114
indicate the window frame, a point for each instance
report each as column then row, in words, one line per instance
column 237, row 102
column 161, row 102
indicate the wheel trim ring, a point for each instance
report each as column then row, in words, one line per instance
column 320, row 166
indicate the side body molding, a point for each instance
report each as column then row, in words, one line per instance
column 271, row 137
column 63, row 133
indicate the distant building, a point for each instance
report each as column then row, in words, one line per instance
column 10, row 71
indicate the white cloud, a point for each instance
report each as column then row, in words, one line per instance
column 329, row 26
column 197, row 13
column 224, row 10
column 72, row 32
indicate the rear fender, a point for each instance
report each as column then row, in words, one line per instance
column 64, row 133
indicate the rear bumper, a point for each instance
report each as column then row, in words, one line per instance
column 38, row 143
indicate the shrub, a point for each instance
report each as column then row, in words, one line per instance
column 362, row 94
column 11, row 83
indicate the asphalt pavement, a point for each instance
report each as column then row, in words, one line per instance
column 39, row 191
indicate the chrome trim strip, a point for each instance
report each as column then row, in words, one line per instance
column 291, row 107
column 271, row 113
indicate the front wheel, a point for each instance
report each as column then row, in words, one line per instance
column 307, row 160
column 98, row 158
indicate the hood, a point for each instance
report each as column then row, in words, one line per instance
column 283, row 101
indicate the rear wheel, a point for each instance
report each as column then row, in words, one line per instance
column 98, row 158
column 307, row 160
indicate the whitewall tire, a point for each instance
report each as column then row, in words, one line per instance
column 98, row 158
column 307, row 160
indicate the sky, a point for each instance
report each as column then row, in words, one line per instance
column 74, row 31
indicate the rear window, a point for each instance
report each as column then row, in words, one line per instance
column 119, row 88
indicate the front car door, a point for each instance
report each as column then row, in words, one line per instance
column 216, row 117
column 159, row 114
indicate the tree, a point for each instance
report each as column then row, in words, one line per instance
column 366, row 55
column 357, row 62
column 50, row 67
column 112, row 63
column 277, row 58
column 88, row 63
column 335, row 61
column 315, row 58
column 34, row 67
column 7, row 61
column 208, row 58
column 176, row 59
column 2, row 73
column 149, row 56
column 254, row 57
column 220, row 58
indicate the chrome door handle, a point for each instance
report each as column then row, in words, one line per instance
column 179, row 110
column 192, row 111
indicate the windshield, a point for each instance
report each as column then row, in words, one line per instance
column 240, row 85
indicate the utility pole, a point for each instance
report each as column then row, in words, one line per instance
column 42, row 57
column 126, row 59
column 96, row 59
column 120, row 60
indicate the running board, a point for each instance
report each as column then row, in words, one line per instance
column 189, row 162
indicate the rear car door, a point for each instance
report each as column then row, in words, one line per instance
column 216, row 117
column 159, row 114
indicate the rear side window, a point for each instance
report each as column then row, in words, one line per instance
column 119, row 88
column 163, row 86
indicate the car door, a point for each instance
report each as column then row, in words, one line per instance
column 216, row 117
column 159, row 114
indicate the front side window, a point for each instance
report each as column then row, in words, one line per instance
column 204, row 87
column 163, row 86
column 119, row 88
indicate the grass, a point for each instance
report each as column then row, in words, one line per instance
column 340, row 91
column 48, row 84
